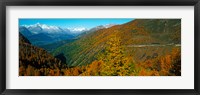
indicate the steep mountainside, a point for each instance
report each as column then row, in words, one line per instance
column 50, row 47
column 161, row 31
column 24, row 31
column 158, row 32
column 34, row 61
column 23, row 40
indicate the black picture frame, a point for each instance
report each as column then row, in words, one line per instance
column 4, row 3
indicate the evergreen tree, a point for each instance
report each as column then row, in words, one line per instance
column 115, row 63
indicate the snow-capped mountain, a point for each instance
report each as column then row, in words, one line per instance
column 77, row 31
column 43, row 28
column 40, row 34
column 109, row 25
column 100, row 27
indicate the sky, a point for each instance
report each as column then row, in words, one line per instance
column 76, row 22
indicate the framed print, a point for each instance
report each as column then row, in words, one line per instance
column 99, row 47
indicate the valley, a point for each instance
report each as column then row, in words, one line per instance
column 136, row 48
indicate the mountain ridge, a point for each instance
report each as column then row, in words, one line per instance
column 42, row 34
column 138, row 31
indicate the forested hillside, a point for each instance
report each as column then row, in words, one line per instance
column 142, row 47
column 136, row 32
column 34, row 61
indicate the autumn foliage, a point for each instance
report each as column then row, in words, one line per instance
column 109, row 52
column 111, row 61
column 168, row 65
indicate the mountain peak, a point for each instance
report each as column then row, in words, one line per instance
column 43, row 28
column 78, row 29
column 38, row 23
column 50, row 29
column 109, row 25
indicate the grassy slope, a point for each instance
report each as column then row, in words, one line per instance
column 50, row 47
column 84, row 50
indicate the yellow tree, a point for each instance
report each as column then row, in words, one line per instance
column 115, row 63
